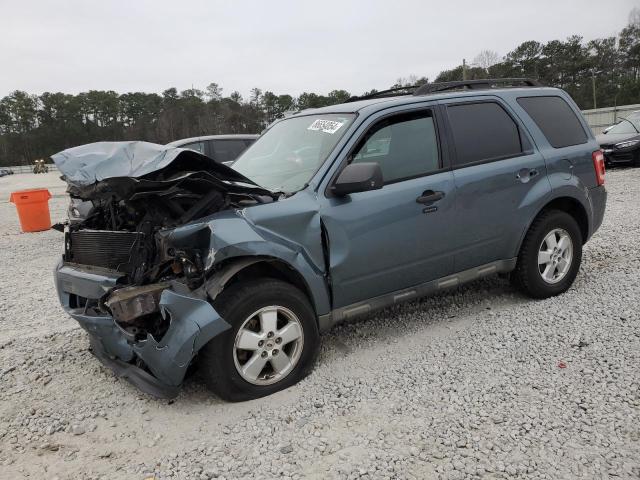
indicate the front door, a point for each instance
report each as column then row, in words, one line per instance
column 385, row 240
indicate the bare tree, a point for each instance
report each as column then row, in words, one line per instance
column 486, row 59
column 410, row 81
column 256, row 95
column 634, row 16
column 214, row 91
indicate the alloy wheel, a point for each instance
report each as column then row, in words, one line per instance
column 555, row 256
column 268, row 345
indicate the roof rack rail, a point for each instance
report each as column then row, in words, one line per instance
column 392, row 92
column 427, row 88
column 482, row 84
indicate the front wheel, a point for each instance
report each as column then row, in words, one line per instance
column 550, row 255
column 272, row 344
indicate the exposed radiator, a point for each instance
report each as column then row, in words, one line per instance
column 103, row 248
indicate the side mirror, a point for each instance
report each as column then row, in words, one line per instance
column 358, row 177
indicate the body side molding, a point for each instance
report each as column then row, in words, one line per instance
column 349, row 312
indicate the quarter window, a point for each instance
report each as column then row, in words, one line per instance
column 483, row 132
column 556, row 119
column 405, row 146
column 197, row 146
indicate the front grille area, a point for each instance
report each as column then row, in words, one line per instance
column 622, row 157
column 114, row 250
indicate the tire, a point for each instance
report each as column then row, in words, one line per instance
column 529, row 275
column 220, row 360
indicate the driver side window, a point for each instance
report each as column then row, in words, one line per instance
column 405, row 146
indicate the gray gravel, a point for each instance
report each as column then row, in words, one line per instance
column 476, row 383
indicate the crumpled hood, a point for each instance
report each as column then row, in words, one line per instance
column 92, row 163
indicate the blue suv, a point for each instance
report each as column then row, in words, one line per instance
column 331, row 214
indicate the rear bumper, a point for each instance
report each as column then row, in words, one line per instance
column 193, row 323
column 598, row 197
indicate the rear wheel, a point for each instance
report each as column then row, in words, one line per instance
column 550, row 255
column 272, row 344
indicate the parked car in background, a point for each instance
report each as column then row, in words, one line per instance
column 222, row 148
column 5, row 171
column 621, row 142
column 633, row 117
column 334, row 212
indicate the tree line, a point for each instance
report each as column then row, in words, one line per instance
column 597, row 73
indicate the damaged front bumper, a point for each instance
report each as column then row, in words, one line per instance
column 156, row 367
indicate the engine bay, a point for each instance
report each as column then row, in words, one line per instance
column 124, row 223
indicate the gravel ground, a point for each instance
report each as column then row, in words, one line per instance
column 475, row 383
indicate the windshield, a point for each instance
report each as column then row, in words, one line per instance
column 287, row 155
column 624, row 126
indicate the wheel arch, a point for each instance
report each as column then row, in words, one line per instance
column 236, row 269
column 570, row 205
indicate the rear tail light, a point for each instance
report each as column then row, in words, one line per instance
column 598, row 165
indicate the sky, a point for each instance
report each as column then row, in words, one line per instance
column 281, row 46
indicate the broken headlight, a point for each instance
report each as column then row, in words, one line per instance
column 79, row 210
column 188, row 264
column 627, row 144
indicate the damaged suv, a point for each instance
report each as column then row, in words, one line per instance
column 173, row 259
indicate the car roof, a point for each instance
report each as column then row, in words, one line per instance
column 239, row 136
column 373, row 104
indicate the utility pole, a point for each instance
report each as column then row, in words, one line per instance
column 593, row 84
column 615, row 105
column 464, row 69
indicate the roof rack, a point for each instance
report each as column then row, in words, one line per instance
column 392, row 92
column 427, row 88
column 483, row 84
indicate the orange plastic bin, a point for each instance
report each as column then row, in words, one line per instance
column 33, row 209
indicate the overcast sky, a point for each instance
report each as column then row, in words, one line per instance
column 282, row 46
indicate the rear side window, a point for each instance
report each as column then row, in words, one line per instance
column 483, row 132
column 405, row 146
column 227, row 150
column 556, row 119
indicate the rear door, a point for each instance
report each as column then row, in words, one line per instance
column 500, row 179
column 385, row 240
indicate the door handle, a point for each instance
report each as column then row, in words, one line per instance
column 429, row 196
column 525, row 174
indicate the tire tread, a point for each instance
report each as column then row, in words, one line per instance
column 523, row 278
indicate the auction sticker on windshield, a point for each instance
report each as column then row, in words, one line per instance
column 326, row 126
